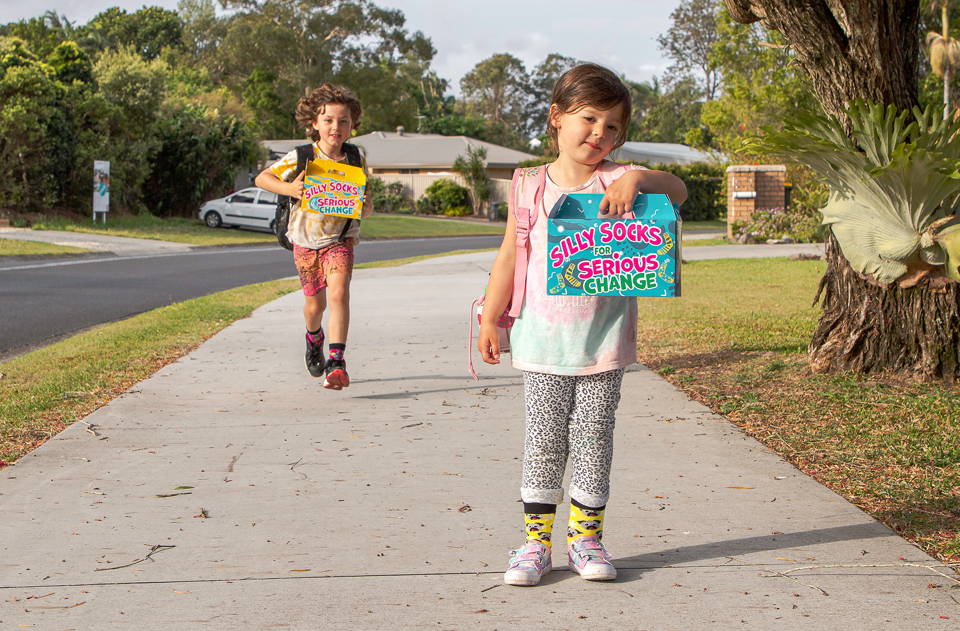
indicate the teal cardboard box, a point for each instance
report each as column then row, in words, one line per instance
column 589, row 255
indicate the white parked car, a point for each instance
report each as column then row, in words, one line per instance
column 247, row 208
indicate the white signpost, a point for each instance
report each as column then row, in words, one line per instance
column 101, row 189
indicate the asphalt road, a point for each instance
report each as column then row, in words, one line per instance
column 44, row 301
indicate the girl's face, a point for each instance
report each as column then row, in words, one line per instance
column 333, row 124
column 588, row 134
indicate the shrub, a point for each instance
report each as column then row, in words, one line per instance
column 705, row 195
column 458, row 211
column 388, row 198
column 425, row 206
column 800, row 221
column 444, row 194
column 797, row 223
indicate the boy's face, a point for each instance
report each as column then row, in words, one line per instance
column 334, row 125
column 588, row 134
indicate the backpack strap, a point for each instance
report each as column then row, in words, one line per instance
column 526, row 209
column 304, row 156
column 354, row 159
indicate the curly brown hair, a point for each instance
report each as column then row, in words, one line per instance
column 594, row 86
column 312, row 105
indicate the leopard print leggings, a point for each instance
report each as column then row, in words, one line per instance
column 569, row 415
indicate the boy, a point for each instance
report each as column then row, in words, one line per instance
column 322, row 244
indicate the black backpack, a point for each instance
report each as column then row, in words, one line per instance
column 281, row 218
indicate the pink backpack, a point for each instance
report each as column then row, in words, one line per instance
column 526, row 195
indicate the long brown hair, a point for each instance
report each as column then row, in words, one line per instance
column 312, row 106
column 589, row 85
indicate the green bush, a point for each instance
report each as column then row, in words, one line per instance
column 444, row 194
column 425, row 206
column 388, row 198
column 706, row 199
column 458, row 211
column 799, row 222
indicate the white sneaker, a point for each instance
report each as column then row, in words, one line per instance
column 528, row 564
column 588, row 558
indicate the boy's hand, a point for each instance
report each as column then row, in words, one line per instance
column 296, row 186
column 619, row 196
column 488, row 343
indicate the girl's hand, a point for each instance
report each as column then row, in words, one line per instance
column 296, row 187
column 488, row 343
column 618, row 198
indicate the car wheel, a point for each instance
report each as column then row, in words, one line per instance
column 213, row 219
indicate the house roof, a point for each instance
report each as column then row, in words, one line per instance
column 405, row 150
column 662, row 152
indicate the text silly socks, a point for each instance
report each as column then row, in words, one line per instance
column 584, row 521
column 538, row 522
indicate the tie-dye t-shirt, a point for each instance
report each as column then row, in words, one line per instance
column 569, row 335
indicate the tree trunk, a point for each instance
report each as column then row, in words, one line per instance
column 849, row 49
column 868, row 329
column 866, row 49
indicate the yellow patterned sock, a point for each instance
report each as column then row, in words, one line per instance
column 584, row 521
column 539, row 527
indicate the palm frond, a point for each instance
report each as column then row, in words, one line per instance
column 893, row 175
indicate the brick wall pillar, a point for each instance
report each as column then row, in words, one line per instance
column 753, row 186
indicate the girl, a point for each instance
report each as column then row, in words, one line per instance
column 572, row 349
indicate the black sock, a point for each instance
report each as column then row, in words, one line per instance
column 530, row 507
column 585, row 507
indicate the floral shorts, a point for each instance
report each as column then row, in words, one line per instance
column 314, row 266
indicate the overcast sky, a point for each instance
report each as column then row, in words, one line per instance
column 622, row 35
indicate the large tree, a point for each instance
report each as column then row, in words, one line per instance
column 868, row 50
column 689, row 41
column 498, row 89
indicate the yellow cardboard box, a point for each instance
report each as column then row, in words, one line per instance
column 333, row 188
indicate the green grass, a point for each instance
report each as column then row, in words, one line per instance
column 194, row 232
column 13, row 247
column 693, row 243
column 714, row 225
column 389, row 226
column 737, row 342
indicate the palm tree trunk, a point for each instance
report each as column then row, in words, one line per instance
column 867, row 328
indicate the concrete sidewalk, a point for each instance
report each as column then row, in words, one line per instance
column 230, row 491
